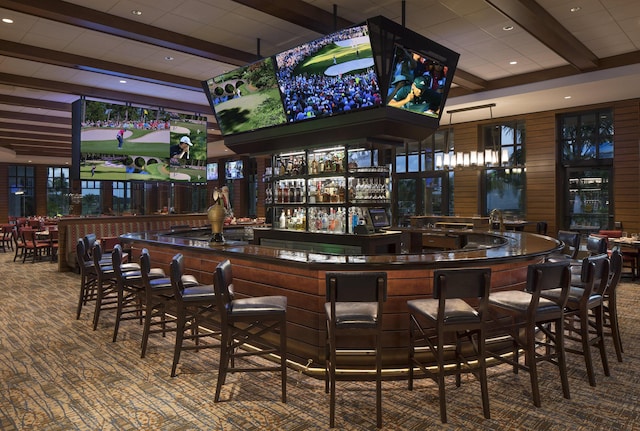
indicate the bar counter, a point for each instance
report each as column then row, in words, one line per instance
column 300, row 275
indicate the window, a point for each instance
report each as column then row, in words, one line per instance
column 91, row 198
column 57, row 191
column 586, row 136
column 21, row 190
column 504, row 179
column 421, row 184
column 586, row 145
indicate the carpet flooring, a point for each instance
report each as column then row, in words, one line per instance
column 57, row 374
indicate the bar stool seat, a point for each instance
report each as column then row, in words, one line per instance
column 246, row 324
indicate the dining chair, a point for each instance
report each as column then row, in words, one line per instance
column 354, row 311
column 610, row 302
column 458, row 310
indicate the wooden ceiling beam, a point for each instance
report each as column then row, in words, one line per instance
column 78, row 62
column 82, row 90
column 35, row 128
column 21, row 135
column 300, row 13
column 8, row 99
column 91, row 19
column 25, row 116
column 534, row 19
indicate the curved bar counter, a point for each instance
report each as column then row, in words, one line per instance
column 300, row 275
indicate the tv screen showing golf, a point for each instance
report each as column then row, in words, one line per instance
column 331, row 75
column 247, row 98
column 419, row 83
column 128, row 143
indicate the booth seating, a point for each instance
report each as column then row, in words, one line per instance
column 72, row 228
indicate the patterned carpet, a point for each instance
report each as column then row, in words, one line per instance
column 56, row 373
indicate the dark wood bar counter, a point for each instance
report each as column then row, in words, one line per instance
column 300, row 276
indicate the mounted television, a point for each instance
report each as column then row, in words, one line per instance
column 332, row 75
column 212, row 171
column 233, row 170
column 114, row 142
column 246, row 99
column 379, row 218
column 418, row 82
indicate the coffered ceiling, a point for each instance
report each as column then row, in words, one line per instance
column 522, row 55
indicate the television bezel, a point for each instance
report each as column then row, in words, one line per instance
column 212, row 104
column 348, row 112
column 241, row 170
column 217, row 170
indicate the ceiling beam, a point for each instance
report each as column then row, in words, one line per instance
column 300, row 13
column 78, row 62
column 22, row 135
column 8, row 99
column 91, row 19
column 34, row 128
column 82, row 90
column 543, row 26
column 25, row 116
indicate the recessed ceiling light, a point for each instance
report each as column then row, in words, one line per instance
column 507, row 28
column 122, row 81
column 7, row 20
column 168, row 58
column 136, row 12
column 575, row 9
column 513, row 62
column 567, row 97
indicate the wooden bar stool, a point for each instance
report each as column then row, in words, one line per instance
column 450, row 315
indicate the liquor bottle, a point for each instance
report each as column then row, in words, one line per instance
column 298, row 193
column 292, row 193
column 283, row 220
column 285, row 194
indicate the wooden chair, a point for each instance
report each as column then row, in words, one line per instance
column 249, row 322
column 354, row 308
column 584, row 311
column 158, row 297
column 130, row 304
column 609, row 302
column 450, row 315
column 528, row 313
column 34, row 247
column 194, row 305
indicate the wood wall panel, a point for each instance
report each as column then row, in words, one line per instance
column 541, row 163
column 626, row 176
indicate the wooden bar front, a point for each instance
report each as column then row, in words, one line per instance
column 300, row 276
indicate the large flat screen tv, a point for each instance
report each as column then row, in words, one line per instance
column 246, row 99
column 212, row 171
column 117, row 142
column 331, row 75
column 418, row 82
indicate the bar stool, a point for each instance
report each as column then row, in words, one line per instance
column 158, row 294
column 106, row 283
column 88, row 277
column 610, row 302
column 449, row 315
column 130, row 289
column 584, row 311
column 247, row 322
column 195, row 304
column 527, row 311
column 354, row 308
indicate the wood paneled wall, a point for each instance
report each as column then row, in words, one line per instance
column 626, row 172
